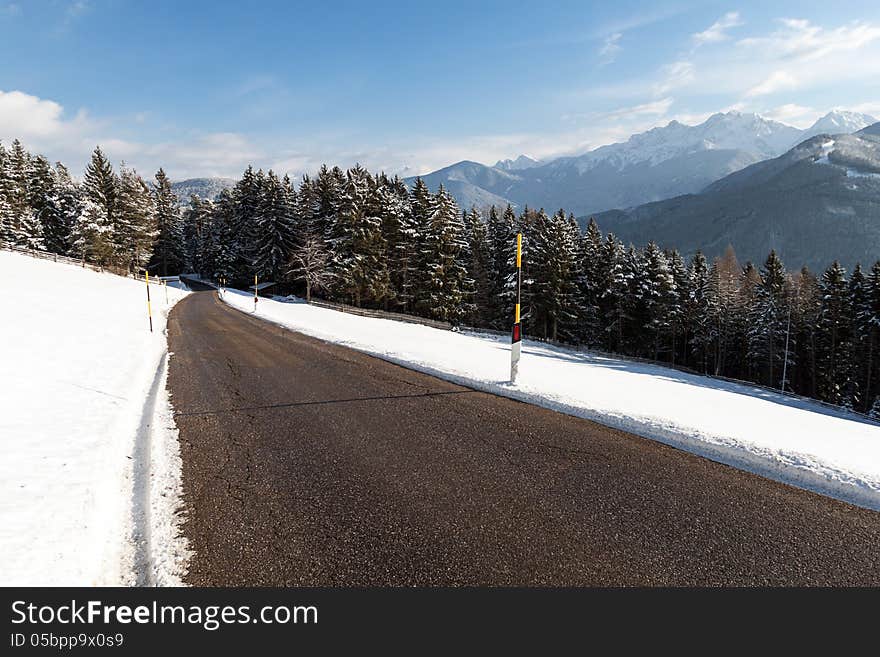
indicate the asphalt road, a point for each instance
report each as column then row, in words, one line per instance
column 306, row 463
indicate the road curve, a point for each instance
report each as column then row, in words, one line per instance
column 306, row 463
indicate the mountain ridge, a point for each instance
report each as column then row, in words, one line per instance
column 817, row 202
column 628, row 173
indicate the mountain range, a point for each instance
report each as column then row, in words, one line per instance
column 663, row 162
column 817, row 202
column 204, row 188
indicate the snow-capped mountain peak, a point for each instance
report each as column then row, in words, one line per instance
column 732, row 130
column 839, row 122
column 518, row 164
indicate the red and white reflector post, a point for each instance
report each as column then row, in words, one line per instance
column 516, row 337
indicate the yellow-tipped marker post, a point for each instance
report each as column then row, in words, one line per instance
column 149, row 309
column 516, row 337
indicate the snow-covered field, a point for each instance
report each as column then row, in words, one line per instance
column 792, row 440
column 89, row 478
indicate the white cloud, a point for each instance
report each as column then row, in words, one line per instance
column 799, row 116
column 718, row 30
column 43, row 127
column 803, row 41
column 675, row 75
column 610, row 48
column 23, row 115
column 776, row 81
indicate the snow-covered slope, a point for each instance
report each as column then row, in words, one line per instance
column 792, row 440
column 89, row 474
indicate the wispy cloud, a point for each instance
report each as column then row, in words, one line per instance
column 10, row 9
column 718, row 30
column 801, row 54
column 610, row 48
column 675, row 75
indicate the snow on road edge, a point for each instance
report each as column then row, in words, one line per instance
column 82, row 435
column 799, row 468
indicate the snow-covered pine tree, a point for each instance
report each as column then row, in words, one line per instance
column 678, row 317
column 90, row 232
column 590, row 285
column 833, row 363
column 272, row 236
column 871, row 383
column 22, row 226
column 614, row 294
column 330, row 185
column 42, row 201
column 718, row 339
column 423, row 206
column 860, row 331
column 768, row 319
column 359, row 267
column 246, row 194
column 307, row 206
column 309, row 263
column 805, row 306
column 479, row 300
column 501, row 231
column 196, row 224
column 403, row 243
column 655, row 297
column 554, row 266
column 6, row 217
column 695, row 319
column 168, row 255
column 67, row 208
column 100, row 187
column 218, row 245
column 445, row 271
column 132, row 230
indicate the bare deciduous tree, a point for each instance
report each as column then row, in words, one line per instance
column 308, row 263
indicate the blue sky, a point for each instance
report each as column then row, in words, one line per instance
column 204, row 88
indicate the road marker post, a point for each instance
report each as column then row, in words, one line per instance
column 165, row 285
column 256, row 296
column 516, row 337
column 149, row 309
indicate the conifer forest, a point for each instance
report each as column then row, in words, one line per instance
column 372, row 241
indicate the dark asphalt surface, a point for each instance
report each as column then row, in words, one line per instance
column 306, row 463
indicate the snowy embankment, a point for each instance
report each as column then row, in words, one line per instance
column 89, row 479
column 788, row 439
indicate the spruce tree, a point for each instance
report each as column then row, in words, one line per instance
column 555, row 267
column 272, row 231
column 768, row 323
column 501, row 236
column 100, row 184
column 478, row 270
column 834, row 372
column 445, row 272
column 402, row 243
column 132, row 231
column 168, row 251
column 359, row 267
column 590, row 285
